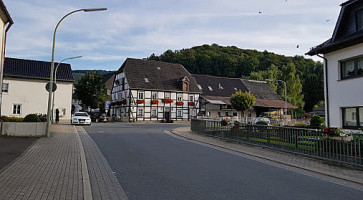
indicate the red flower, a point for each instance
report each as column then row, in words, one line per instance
column 179, row 103
column 191, row 103
column 140, row 101
column 167, row 100
column 123, row 101
column 154, row 101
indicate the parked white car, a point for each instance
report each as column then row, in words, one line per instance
column 261, row 119
column 81, row 118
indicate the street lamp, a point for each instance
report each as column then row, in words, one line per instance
column 52, row 65
column 285, row 96
column 55, row 80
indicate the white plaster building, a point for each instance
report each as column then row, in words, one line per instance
column 5, row 23
column 148, row 90
column 343, row 71
column 24, row 88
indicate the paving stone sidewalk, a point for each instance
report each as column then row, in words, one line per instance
column 54, row 168
column 305, row 163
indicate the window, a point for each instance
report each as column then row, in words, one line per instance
column 167, row 95
column 351, row 68
column 16, row 109
column 5, row 87
column 359, row 18
column 191, row 98
column 353, row 117
column 219, row 114
column 153, row 113
column 180, row 97
column 226, row 114
column 210, row 88
column 235, row 114
column 180, row 113
column 141, row 95
column 140, row 112
column 155, row 95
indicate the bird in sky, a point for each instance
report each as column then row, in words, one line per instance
column 327, row 20
column 259, row 12
column 297, row 46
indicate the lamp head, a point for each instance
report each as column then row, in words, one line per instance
column 94, row 9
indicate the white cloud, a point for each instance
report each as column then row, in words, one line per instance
column 141, row 27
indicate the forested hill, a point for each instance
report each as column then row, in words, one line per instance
column 304, row 77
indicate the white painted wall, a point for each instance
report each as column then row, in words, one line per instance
column 342, row 93
column 33, row 97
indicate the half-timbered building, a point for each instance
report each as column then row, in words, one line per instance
column 148, row 90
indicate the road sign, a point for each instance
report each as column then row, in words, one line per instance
column 47, row 86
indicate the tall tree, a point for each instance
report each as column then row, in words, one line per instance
column 242, row 101
column 91, row 90
column 294, row 86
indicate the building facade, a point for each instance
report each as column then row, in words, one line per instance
column 343, row 70
column 5, row 23
column 147, row 90
column 216, row 93
column 24, row 88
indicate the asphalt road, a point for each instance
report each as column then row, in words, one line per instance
column 153, row 165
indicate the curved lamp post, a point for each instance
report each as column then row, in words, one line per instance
column 52, row 65
column 285, row 113
column 55, row 81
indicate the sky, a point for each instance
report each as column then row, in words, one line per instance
column 138, row 28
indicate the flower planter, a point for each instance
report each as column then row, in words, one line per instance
column 140, row 101
column 155, row 101
column 191, row 104
column 167, row 100
column 123, row 101
column 340, row 138
column 179, row 103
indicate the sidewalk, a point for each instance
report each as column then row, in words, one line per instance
column 312, row 165
column 67, row 165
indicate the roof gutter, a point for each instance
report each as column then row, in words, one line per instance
column 326, row 90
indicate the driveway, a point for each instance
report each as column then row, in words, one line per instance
column 153, row 165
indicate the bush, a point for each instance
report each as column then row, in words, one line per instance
column 261, row 123
column 11, row 119
column 316, row 121
column 31, row 118
column 224, row 122
column 300, row 124
column 42, row 117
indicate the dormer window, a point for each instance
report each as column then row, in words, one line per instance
column 185, row 84
column 210, row 88
column 359, row 19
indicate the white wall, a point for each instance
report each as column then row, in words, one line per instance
column 343, row 93
column 33, row 97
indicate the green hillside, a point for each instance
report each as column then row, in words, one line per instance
column 304, row 77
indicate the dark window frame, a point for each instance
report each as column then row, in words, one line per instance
column 358, row 28
column 355, row 60
column 357, row 126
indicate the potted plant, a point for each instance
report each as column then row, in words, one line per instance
column 154, row 101
column 123, row 101
column 191, row 103
column 179, row 103
column 140, row 101
column 167, row 100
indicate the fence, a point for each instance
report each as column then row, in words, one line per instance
column 307, row 142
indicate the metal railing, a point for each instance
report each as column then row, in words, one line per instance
column 307, row 142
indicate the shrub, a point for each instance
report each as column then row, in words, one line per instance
column 332, row 131
column 31, row 118
column 300, row 124
column 42, row 117
column 316, row 121
column 224, row 122
column 261, row 123
column 11, row 119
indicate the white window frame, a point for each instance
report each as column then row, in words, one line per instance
column 17, row 109
column 154, row 95
column 191, row 98
column 140, row 112
column 179, row 97
column 179, row 113
column 154, row 113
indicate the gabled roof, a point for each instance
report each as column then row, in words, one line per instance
column 5, row 14
column 223, row 88
column 219, row 86
column 33, row 69
column 156, row 75
column 345, row 33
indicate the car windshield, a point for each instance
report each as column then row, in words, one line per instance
column 81, row 114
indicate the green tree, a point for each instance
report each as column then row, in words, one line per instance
column 91, row 90
column 294, row 86
column 242, row 101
